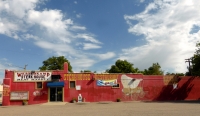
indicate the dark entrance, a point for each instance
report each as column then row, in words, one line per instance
column 56, row 94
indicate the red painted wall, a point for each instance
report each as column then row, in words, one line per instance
column 132, row 87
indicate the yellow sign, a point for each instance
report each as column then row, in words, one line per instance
column 105, row 76
column 73, row 77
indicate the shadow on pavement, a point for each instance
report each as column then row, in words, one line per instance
column 177, row 101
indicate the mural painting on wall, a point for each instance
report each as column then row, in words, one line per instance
column 39, row 93
column 131, row 88
column 106, row 79
column 106, row 82
column 170, row 79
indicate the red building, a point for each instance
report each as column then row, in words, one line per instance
column 38, row 87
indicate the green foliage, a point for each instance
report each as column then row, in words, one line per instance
column 196, row 61
column 54, row 63
column 155, row 69
column 122, row 66
column 179, row 74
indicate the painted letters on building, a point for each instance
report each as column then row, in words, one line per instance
column 28, row 76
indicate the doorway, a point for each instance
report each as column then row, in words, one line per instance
column 56, row 94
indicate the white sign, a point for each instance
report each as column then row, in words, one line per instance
column 19, row 95
column 27, row 76
column 78, row 87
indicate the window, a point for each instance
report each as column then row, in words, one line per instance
column 55, row 78
column 116, row 86
column 72, row 84
column 39, row 85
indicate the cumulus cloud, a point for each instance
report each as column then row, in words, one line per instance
column 166, row 27
column 48, row 29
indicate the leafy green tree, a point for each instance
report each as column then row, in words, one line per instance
column 196, row 61
column 155, row 69
column 54, row 63
column 122, row 66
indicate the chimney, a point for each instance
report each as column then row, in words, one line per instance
column 66, row 67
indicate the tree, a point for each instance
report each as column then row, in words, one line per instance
column 178, row 74
column 54, row 63
column 122, row 66
column 196, row 61
column 155, row 69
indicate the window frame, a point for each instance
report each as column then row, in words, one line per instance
column 36, row 85
column 74, row 85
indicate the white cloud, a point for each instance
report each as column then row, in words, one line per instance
column 87, row 46
column 48, row 29
column 75, row 2
column 75, row 27
column 105, row 56
column 52, row 22
column 78, row 15
column 142, row 1
column 88, row 37
column 82, row 64
column 17, row 8
column 166, row 29
column 58, row 48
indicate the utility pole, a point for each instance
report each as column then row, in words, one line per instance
column 189, row 61
column 25, row 66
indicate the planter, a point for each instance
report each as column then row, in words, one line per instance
column 73, row 101
column 118, row 100
column 24, row 102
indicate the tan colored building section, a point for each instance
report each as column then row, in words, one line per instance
column 1, row 93
column 170, row 79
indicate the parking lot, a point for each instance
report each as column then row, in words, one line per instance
column 105, row 109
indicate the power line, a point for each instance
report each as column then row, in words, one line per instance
column 19, row 66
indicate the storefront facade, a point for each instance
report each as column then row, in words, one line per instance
column 38, row 87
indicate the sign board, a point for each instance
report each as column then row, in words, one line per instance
column 32, row 76
column 19, row 95
column 78, row 87
column 106, row 82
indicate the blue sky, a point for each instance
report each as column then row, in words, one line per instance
column 93, row 34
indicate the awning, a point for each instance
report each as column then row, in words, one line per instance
column 55, row 84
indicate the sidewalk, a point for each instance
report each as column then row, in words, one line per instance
column 63, row 103
column 54, row 103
